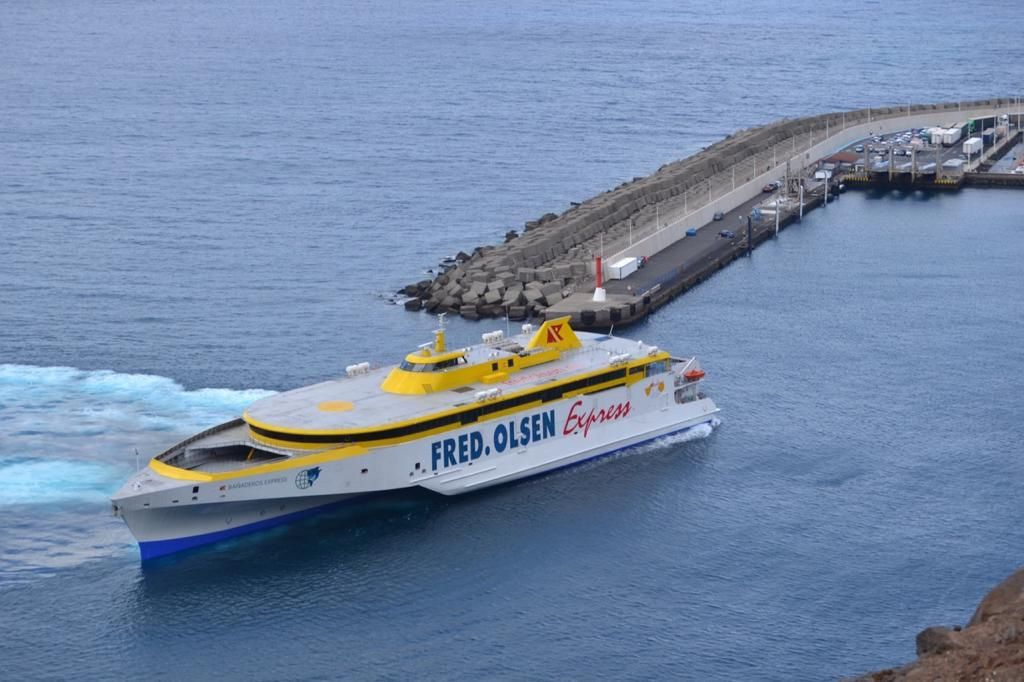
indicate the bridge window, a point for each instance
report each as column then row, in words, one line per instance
column 432, row 366
column 657, row 367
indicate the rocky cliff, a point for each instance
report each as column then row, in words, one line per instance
column 990, row 647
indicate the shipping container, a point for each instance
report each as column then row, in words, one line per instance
column 935, row 135
column 953, row 164
column 979, row 124
column 622, row 268
column 972, row 146
column 950, row 137
column 989, row 136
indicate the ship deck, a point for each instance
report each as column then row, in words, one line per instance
column 363, row 404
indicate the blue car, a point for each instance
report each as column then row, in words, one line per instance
column 692, row 232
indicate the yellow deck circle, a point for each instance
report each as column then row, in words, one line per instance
column 335, row 406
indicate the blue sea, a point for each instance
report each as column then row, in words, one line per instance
column 205, row 202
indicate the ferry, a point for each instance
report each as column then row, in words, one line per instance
column 449, row 421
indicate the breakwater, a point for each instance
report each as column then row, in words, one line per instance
column 553, row 258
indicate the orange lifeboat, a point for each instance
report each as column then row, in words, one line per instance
column 694, row 375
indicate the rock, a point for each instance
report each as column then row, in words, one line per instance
column 510, row 235
column 462, row 257
column 935, row 640
column 517, row 312
column 492, row 297
column 409, row 290
column 469, row 312
column 413, row 304
column 1007, row 596
column 991, row 647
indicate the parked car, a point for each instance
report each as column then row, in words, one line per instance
column 769, row 188
column 728, row 234
column 718, row 215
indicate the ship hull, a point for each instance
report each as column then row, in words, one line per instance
column 168, row 515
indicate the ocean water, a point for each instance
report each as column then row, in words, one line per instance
column 202, row 203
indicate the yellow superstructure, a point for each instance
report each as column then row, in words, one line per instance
column 428, row 372
column 434, row 369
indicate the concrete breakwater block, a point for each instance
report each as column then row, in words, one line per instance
column 469, row 312
column 532, row 295
column 552, row 298
column 550, row 288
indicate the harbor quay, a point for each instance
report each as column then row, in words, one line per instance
column 617, row 257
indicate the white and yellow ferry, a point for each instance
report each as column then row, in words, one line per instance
column 451, row 421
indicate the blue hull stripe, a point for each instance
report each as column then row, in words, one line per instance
column 158, row 548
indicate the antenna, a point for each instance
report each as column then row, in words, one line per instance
column 439, row 345
column 136, row 460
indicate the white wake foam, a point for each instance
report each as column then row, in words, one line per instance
column 69, row 435
column 64, row 401
column 28, row 480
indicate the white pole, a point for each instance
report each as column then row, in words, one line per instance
column 801, row 199
column 631, row 230
column 657, row 217
column 778, row 210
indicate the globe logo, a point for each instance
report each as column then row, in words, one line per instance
column 306, row 478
